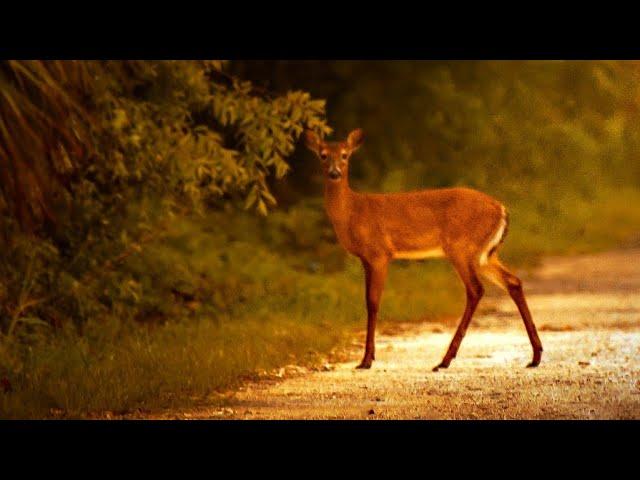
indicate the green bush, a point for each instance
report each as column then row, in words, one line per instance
column 125, row 148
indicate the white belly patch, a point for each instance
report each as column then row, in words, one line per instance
column 420, row 254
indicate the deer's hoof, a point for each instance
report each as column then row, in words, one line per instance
column 537, row 356
column 365, row 364
column 442, row 365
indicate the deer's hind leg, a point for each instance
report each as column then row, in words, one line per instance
column 468, row 273
column 495, row 271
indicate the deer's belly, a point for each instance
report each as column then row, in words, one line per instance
column 420, row 254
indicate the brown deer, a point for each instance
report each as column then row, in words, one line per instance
column 463, row 225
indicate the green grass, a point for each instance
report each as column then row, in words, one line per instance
column 168, row 366
column 119, row 367
column 571, row 224
column 253, row 305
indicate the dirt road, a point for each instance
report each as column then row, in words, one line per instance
column 587, row 310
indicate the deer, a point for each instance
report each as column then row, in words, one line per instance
column 463, row 225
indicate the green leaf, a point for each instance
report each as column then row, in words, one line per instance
column 262, row 208
column 252, row 197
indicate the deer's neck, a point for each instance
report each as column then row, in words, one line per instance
column 337, row 200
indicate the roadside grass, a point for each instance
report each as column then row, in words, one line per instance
column 243, row 306
column 116, row 366
column 133, row 368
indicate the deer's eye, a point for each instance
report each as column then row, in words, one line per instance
column 323, row 156
column 344, row 155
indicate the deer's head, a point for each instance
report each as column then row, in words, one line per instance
column 334, row 155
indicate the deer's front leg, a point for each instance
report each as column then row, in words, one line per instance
column 375, row 276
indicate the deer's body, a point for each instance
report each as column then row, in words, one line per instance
column 461, row 224
column 414, row 225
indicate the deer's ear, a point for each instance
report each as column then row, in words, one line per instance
column 355, row 139
column 311, row 140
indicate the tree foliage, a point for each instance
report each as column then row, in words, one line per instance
column 97, row 156
column 502, row 126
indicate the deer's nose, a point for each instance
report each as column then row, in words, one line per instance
column 334, row 174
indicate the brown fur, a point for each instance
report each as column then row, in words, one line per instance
column 458, row 223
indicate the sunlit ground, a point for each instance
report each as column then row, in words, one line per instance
column 590, row 330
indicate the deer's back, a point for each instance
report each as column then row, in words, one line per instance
column 422, row 223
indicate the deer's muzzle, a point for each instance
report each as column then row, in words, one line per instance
column 334, row 174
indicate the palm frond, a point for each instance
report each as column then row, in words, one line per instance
column 41, row 120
